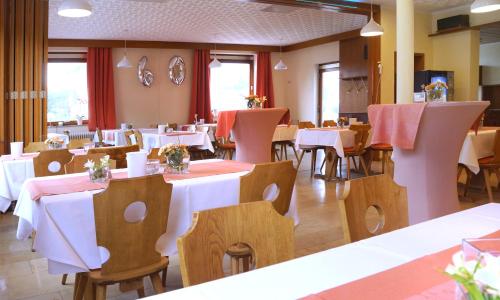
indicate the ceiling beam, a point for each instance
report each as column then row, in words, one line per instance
column 341, row 6
column 323, row 40
column 156, row 44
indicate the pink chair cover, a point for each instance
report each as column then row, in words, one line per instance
column 395, row 124
column 429, row 171
column 253, row 133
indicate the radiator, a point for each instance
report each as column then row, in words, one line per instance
column 81, row 135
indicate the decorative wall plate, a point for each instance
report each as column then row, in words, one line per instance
column 145, row 76
column 177, row 70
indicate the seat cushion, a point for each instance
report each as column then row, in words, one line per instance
column 382, row 147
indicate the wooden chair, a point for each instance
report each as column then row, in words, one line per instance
column 360, row 138
column 305, row 148
column 138, row 138
column 51, row 162
column 128, row 139
column 154, row 155
column 36, row 147
column 100, row 139
column 78, row 143
column 119, row 154
column 75, row 165
column 385, row 149
column 489, row 164
column 253, row 187
column 256, row 224
column 380, row 192
column 131, row 243
column 227, row 148
column 329, row 123
column 172, row 125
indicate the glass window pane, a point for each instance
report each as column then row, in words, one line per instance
column 330, row 94
column 67, row 91
column 229, row 85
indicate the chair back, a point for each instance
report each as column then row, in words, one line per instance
column 269, row 181
column 76, row 165
column 119, row 154
column 128, row 139
column 329, row 123
column 99, row 135
column 306, row 124
column 256, row 224
column 78, row 143
column 35, row 147
column 138, row 138
column 51, row 162
column 496, row 149
column 362, row 132
column 387, row 198
column 154, row 155
column 130, row 216
column 172, row 125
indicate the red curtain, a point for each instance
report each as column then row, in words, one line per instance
column 265, row 78
column 200, row 89
column 101, row 89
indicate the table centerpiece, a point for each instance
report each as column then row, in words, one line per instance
column 54, row 142
column 99, row 172
column 177, row 156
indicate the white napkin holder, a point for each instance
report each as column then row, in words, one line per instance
column 16, row 149
column 136, row 163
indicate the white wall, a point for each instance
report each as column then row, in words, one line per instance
column 489, row 58
column 163, row 102
column 297, row 87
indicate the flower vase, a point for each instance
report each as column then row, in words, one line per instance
column 435, row 96
column 178, row 163
column 99, row 175
column 53, row 146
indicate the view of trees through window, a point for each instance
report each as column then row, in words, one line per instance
column 229, row 85
column 67, row 91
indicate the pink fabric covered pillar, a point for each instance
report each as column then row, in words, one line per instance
column 429, row 171
column 253, row 133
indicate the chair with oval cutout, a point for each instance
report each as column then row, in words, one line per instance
column 202, row 248
column 387, row 200
column 76, row 165
column 138, row 138
column 119, row 154
column 269, row 181
column 78, row 143
column 36, row 147
column 51, row 162
column 131, row 214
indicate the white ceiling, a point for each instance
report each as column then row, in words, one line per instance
column 221, row 21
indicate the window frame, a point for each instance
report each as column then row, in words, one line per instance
column 67, row 57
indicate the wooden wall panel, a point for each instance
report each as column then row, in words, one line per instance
column 23, row 65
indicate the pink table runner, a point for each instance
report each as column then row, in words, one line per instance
column 395, row 124
column 81, row 182
column 226, row 119
column 411, row 280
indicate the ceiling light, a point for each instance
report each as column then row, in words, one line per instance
column 124, row 63
column 372, row 28
column 483, row 6
column 215, row 63
column 74, row 8
column 280, row 66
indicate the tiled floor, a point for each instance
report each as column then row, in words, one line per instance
column 23, row 274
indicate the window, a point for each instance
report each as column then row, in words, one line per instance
column 230, row 84
column 328, row 92
column 67, row 91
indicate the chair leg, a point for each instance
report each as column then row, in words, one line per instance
column 141, row 293
column 100, row 292
column 497, row 172
column 340, row 167
column 80, row 286
column 348, row 168
column 235, row 265
column 363, row 165
column 286, row 153
column 64, row 278
column 322, row 165
column 164, row 277
column 354, row 163
column 281, row 152
column 459, row 172
column 313, row 161
column 384, row 154
column 295, row 152
column 299, row 160
column 467, row 181
column 246, row 263
column 156, row 281
column 486, row 174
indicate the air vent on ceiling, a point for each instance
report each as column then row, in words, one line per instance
column 279, row 9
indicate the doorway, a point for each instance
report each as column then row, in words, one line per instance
column 328, row 92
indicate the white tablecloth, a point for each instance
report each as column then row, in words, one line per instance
column 13, row 173
column 65, row 223
column 116, row 137
column 198, row 139
column 476, row 147
column 328, row 269
column 285, row 133
column 336, row 138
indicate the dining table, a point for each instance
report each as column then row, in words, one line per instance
column 14, row 171
column 477, row 145
column 60, row 210
column 199, row 139
column 116, row 137
column 350, row 271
